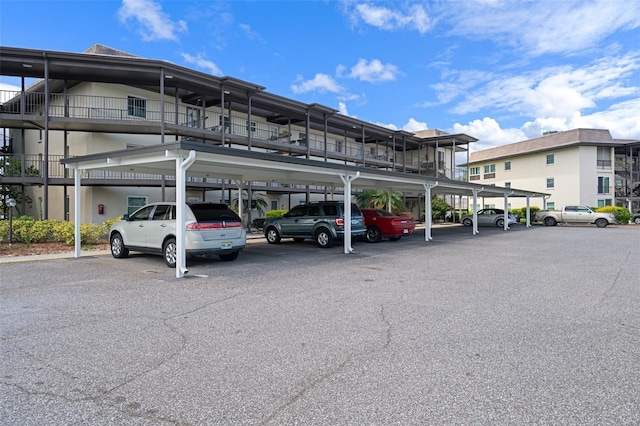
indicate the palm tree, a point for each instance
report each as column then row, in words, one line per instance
column 380, row 200
column 257, row 202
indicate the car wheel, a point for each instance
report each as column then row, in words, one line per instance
column 637, row 220
column 298, row 239
column 273, row 236
column 170, row 252
column 324, row 238
column 500, row 223
column 373, row 234
column 602, row 223
column 549, row 221
column 467, row 222
column 396, row 238
column 118, row 250
column 230, row 256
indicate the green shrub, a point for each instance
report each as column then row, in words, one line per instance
column 622, row 214
column 274, row 214
column 63, row 231
column 107, row 224
column 4, row 230
column 90, row 233
column 521, row 212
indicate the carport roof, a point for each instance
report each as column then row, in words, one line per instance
column 246, row 166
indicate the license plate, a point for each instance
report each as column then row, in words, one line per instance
column 354, row 221
column 226, row 245
column 406, row 231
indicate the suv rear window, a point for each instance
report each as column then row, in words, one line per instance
column 213, row 212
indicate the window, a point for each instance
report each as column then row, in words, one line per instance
column 226, row 120
column 253, row 126
column 490, row 168
column 163, row 212
column 604, row 203
column 507, row 165
column 551, row 183
column 603, row 185
column 135, row 202
column 441, row 160
column 604, row 158
column 474, row 170
column 551, row 159
column 136, row 107
column 507, row 184
column 193, row 117
column 274, row 204
column 551, row 205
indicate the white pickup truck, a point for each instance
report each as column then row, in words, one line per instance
column 574, row 214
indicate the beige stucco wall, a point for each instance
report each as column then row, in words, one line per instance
column 574, row 171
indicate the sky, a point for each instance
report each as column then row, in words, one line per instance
column 500, row 71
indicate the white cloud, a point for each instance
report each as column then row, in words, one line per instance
column 373, row 72
column 153, row 22
column 548, row 92
column 412, row 125
column 541, row 27
column 321, row 83
column 201, row 62
column 342, row 108
column 489, row 133
column 383, row 18
column 621, row 119
column 250, row 33
column 8, row 91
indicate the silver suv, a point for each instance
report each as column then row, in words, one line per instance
column 321, row 221
column 211, row 229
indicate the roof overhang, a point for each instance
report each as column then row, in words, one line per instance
column 218, row 162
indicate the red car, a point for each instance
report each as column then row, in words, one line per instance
column 383, row 224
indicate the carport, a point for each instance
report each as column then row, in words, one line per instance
column 198, row 160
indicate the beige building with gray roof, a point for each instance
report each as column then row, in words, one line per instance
column 581, row 166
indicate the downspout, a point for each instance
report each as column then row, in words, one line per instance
column 347, row 179
column 475, row 210
column 506, row 212
column 182, row 165
column 427, row 210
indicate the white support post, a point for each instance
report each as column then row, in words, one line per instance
column 506, row 211
column 528, row 214
column 77, row 210
column 347, row 179
column 427, row 210
column 475, row 210
column 182, row 165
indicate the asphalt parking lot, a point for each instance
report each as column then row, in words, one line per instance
column 527, row 326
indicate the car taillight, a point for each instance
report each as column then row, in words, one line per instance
column 213, row 225
column 400, row 221
column 340, row 221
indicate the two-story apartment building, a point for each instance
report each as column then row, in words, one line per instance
column 580, row 166
column 106, row 100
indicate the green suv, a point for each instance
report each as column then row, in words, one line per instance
column 321, row 221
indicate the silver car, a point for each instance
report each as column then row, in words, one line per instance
column 489, row 217
column 211, row 229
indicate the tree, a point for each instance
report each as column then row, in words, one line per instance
column 257, row 203
column 380, row 200
column 439, row 208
